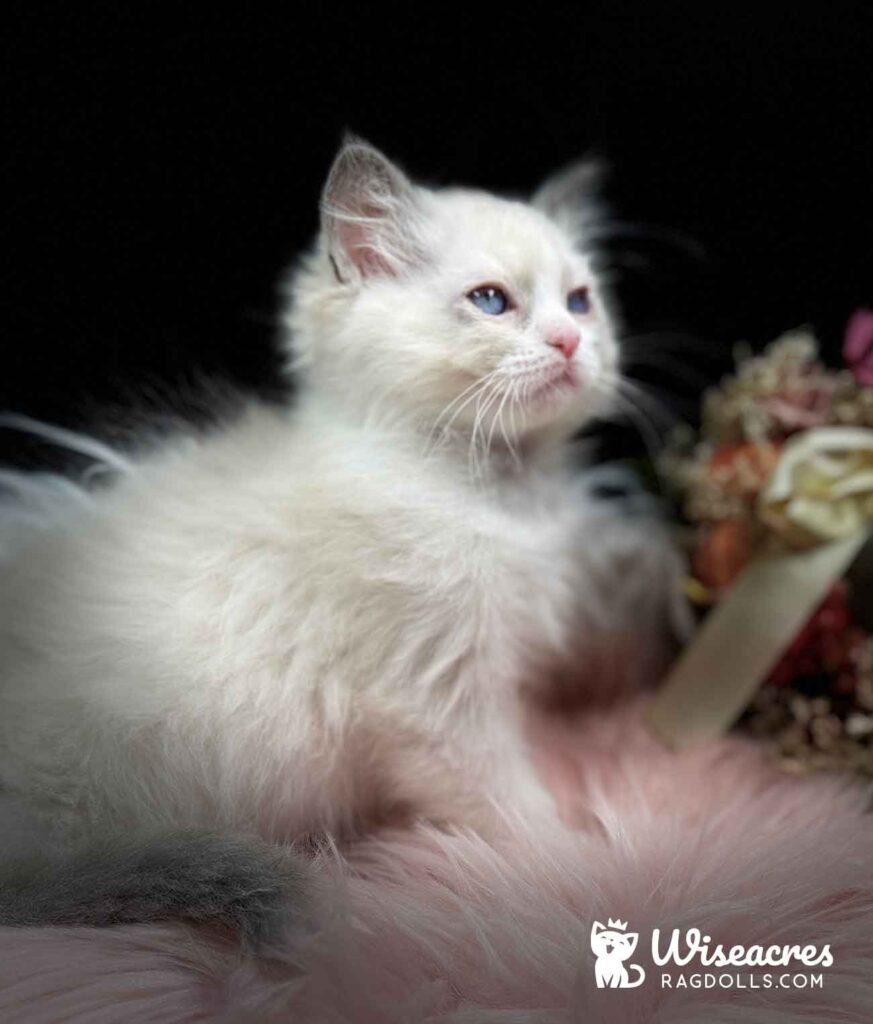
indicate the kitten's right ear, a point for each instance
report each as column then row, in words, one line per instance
column 369, row 214
column 596, row 929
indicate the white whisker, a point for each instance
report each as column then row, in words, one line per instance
column 488, row 398
column 497, row 419
column 514, row 427
column 644, row 397
column 639, row 407
column 469, row 394
column 510, row 443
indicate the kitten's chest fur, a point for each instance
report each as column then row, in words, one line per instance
column 437, row 581
column 307, row 556
column 345, row 559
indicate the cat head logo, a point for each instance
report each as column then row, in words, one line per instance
column 613, row 946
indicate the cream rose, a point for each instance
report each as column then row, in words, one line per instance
column 822, row 486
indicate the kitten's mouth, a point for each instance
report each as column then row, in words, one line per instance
column 557, row 383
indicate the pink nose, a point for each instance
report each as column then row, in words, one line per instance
column 566, row 339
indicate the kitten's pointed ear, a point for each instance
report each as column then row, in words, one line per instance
column 632, row 945
column 369, row 214
column 596, row 929
column 571, row 196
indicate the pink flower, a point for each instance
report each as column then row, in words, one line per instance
column 800, row 411
column 858, row 346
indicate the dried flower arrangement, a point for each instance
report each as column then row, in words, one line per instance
column 786, row 450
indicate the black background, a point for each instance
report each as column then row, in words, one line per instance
column 162, row 165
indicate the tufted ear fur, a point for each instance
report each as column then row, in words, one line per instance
column 370, row 214
column 570, row 196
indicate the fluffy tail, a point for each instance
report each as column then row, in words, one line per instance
column 246, row 886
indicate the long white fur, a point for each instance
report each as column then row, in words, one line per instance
column 308, row 619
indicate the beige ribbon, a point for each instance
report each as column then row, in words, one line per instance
column 818, row 504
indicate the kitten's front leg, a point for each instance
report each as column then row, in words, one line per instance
column 483, row 782
column 521, row 793
column 492, row 806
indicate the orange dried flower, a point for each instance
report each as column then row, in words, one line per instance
column 742, row 469
column 722, row 552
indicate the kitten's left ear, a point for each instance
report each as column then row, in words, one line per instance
column 370, row 214
column 571, row 196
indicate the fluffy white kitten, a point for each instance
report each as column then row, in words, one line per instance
column 318, row 618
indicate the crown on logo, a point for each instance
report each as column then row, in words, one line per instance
column 619, row 925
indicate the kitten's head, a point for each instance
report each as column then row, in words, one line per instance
column 453, row 309
column 609, row 941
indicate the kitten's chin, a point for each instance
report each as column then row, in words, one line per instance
column 558, row 389
column 566, row 402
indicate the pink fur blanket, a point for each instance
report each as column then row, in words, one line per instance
column 422, row 925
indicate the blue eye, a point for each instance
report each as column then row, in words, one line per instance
column 489, row 299
column 578, row 301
